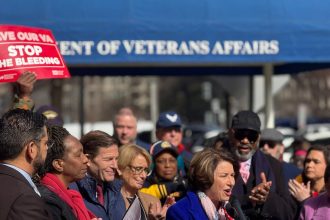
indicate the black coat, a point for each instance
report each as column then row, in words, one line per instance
column 279, row 204
column 57, row 208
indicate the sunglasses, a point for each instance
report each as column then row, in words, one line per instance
column 271, row 144
column 251, row 135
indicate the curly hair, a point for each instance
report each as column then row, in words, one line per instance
column 56, row 136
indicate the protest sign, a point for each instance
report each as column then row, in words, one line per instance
column 29, row 49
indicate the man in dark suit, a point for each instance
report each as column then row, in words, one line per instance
column 23, row 149
column 260, row 186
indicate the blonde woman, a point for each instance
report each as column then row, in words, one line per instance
column 133, row 164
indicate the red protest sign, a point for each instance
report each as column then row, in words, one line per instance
column 29, row 49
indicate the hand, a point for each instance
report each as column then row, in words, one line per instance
column 157, row 212
column 259, row 193
column 299, row 191
column 26, row 83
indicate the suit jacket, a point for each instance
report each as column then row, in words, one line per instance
column 18, row 200
column 279, row 204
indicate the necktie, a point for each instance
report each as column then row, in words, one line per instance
column 99, row 194
column 244, row 171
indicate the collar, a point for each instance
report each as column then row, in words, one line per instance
column 246, row 163
column 25, row 175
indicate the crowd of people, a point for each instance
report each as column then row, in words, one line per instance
column 46, row 173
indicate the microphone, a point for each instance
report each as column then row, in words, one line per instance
column 234, row 209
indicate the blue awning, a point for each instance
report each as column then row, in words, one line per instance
column 187, row 35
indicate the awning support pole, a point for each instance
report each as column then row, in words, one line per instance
column 154, row 105
column 268, row 70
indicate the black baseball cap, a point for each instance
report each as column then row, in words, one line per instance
column 246, row 120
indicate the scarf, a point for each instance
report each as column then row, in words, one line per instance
column 210, row 210
column 70, row 197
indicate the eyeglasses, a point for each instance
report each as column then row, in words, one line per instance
column 251, row 135
column 164, row 161
column 271, row 144
column 139, row 170
column 49, row 143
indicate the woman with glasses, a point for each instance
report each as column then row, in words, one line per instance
column 133, row 164
column 165, row 180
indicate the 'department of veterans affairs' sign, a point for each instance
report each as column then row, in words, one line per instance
column 29, row 49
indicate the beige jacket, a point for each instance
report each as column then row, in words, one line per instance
column 146, row 200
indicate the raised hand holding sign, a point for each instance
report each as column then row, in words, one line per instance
column 29, row 49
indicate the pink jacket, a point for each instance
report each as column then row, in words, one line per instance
column 316, row 208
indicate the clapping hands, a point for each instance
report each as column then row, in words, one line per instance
column 259, row 193
column 158, row 212
column 299, row 191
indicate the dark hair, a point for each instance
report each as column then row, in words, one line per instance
column 56, row 136
column 326, row 153
column 324, row 149
column 93, row 140
column 203, row 165
column 327, row 174
column 17, row 128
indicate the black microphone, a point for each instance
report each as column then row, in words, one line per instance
column 234, row 209
column 230, row 210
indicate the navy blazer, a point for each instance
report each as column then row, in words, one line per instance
column 87, row 188
column 279, row 204
column 188, row 208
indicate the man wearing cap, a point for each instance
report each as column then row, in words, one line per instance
column 169, row 128
column 271, row 143
column 165, row 179
column 260, row 186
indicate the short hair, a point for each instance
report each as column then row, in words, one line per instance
column 123, row 112
column 56, row 136
column 129, row 152
column 203, row 165
column 327, row 174
column 17, row 128
column 324, row 149
column 93, row 140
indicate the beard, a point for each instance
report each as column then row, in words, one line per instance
column 244, row 157
column 38, row 165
